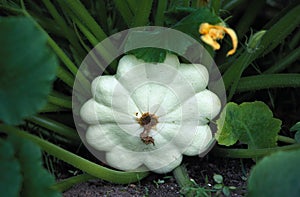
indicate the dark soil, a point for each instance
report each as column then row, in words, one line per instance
column 201, row 170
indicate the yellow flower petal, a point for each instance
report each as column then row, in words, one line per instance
column 212, row 33
column 208, row 40
column 234, row 40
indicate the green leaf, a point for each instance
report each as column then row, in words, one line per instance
column 249, row 123
column 297, row 136
column 226, row 191
column 10, row 170
column 190, row 24
column 218, row 178
column 27, row 69
column 276, row 175
column 218, row 186
column 149, row 54
column 21, row 169
column 296, row 127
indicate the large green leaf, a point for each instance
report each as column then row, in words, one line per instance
column 27, row 69
column 249, row 123
column 276, row 175
column 10, row 170
column 21, row 171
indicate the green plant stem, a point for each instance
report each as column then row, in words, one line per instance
column 295, row 40
column 259, row 82
column 159, row 16
column 76, row 161
column 60, row 100
column 104, row 52
column 59, row 52
column 65, row 184
column 60, row 21
column 183, row 180
column 82, row 14
column 55, row 126
column 133, row 5
column 215, row 5
column 285, row 139
column 229, row 80
column 284, row 62
column 100, row 49
column 141, row 16
column 124, row 10
column 232, row 4
column 250, row 153
column 272, row 38
column 91, row 38
column 65, row 76
column 49, row 107
column 253, row 9
column 62, row 56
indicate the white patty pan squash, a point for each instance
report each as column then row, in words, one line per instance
column 150, row 114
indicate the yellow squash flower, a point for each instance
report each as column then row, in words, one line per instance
column 212, row 33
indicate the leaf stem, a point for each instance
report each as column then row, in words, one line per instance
column 284, row 62
column 141, row 16
column 123, row 7
column 55, row 126
column 159, row 16
column 253, row 9
column 285, row 139
column 59, row 52
column 259, row 82
column 65, row 76
column 60, row 21
column 62, row 56
column 250, row 153
column 269, row 41
column 65, row 184
column 49, row 107
column 183, row 180
column 82, row 14
column 77, row 161
column 60, row 100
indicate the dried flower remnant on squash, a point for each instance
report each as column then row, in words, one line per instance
column 148, row 121
column 212, row 33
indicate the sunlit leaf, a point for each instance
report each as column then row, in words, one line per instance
column 250, row 123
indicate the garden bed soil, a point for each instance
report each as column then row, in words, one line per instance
column 234, row 172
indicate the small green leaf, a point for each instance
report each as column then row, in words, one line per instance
column 218, row 178
column 276, row 175
column 232, row 187
column 296, row 127
column 249, row 123
column 27, row 69
column 150, row 54
column 218, row 186
column 226, row 191
column 297, row 136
